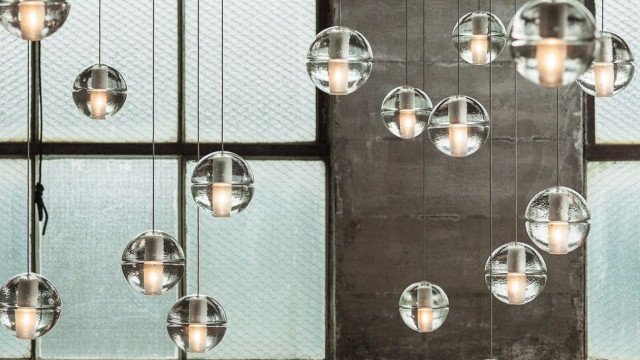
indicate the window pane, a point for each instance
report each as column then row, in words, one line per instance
column 13, row 235
column 267, row 264
column 14, row 94
column 97, row 206
column 126, row 45
column 268, row 96
column 616, row 116
column 612, row 278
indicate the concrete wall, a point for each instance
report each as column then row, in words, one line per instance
column 378, row 206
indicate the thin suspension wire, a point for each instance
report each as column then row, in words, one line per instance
column 424, row 150
column 602, row 15
column 28, row 159
column 222, row 77
column 557, row 136
column 458, row 39
column 153, row 116
column 99, row 31
column 339, row 12
column 490, row 181
column 198, row 146
column 406, row 42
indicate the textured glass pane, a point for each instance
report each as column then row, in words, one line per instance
column 126, row 45
column 13, row 92
column 613, row 303
column 267, row 264
column 616, row 117
column 97, row 206
column 13, row 239
column 268, row 96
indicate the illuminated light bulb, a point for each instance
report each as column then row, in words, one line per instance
column 153, row 273
column 407, row 124
column 26, row 322
column 197, row 338
column 221, row 199
column 338, row 66
column 516, row 277
column 98, row 103
column 31, row 15
column 558, row 237
column 458, row 129
column 425, row 308
column 550, row 57
column 605, row 78
column 479, row 49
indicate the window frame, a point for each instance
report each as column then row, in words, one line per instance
column 183, row 151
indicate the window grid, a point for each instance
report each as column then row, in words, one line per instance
column 185, row 152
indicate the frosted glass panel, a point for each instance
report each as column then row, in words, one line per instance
column 267, row 265
column 616, row 117
column 613, row 281
column 97, row 206
column 13, row 237
column 126, row 45
column 13, row 92
column 268, row 96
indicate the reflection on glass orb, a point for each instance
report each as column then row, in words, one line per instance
column 515, row 273
column 29, row 306
column 196, row 323
column 424, row 307
column 99, row 91
column 458, row 126
column 558, row 220
column 612, row 68
column 481, row 38
column 222, row 184
column 405, row 111
column 552, row 41
column 153, row 262
column 33, row 20
column 339, row 60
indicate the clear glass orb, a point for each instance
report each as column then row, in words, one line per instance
column 222, row 184
column 424, row 306
column 481, row 38
column 339, row 61
column 405, row 111
column 515, row 273
column 196, row 323
column 99, row 91
column 612, row 68
column 29, row 306
column 33, row 20
column 552, row 41
column 458, row 126
column 153, row 262
column 558, row 220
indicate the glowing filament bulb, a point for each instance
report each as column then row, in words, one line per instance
column 153, row 276
column 516, row 288
column 458, row 139
column 338, row 76
column 605, row 79
column 551, row 54
column 558, row 237
column 407, row 124
column 98, row 103
column 197, row 338
column 221, row 199
column 479, row 49
column 26, row 322
column 425, row 311
column 31, row 15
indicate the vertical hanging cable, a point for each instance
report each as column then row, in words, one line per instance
column 557, row 136
column 38, row 196
column 99, row 31
column 339, row 12
column 490, row 181
column 406, row 42
column 28, row 160
column 198, row 146
column 222, row 77
column 153, row 116
column 602, row 15
column 458, row 40
column 515, row 107
column 424, row 149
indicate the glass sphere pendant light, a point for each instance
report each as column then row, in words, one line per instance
column 515, row 273
column 196, row 323
column 424, row 307
column 339, row 60
column 153, row 262
column 33, row 20
column 552, row 41
column 99, row 91
column 612, row 68
column 405, row 110
column 480, row 36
